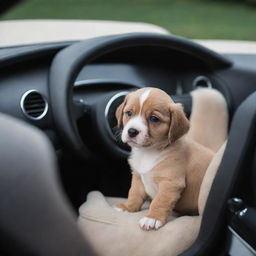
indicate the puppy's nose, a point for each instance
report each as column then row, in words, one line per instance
column 133, row 132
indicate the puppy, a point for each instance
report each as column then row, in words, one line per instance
column 166, row 165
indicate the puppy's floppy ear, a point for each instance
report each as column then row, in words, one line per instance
column 179, row 122
column 119, row 113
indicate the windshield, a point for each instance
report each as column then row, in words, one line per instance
column 205, row 19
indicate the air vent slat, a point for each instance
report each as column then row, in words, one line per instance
column 35, row 97
column 34, row 101
column 34, row 105
column 40, row 110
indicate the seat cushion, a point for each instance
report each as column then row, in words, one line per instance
column 115, row 233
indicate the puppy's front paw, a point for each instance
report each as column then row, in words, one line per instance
column 149, row 223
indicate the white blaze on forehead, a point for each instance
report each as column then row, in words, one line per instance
column 143, row 97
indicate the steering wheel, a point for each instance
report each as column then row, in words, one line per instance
column 67, row 64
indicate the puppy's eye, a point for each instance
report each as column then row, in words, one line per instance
column 154, row 119
column 128, row 113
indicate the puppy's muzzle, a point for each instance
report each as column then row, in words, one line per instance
column 133, row 132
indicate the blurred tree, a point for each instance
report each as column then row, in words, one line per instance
column 7, row 4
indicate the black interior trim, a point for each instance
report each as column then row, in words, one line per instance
column 244, row 223
column 17, row 54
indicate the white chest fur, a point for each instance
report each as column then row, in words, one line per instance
column 149, row 185
column 143, row 161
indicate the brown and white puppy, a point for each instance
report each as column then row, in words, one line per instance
column 166, row 165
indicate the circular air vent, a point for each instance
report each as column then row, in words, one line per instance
column 202, row 82
column 110, row 118
column 34, row 105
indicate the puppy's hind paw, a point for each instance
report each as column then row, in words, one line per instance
column 149, row 223
column 120, row 208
